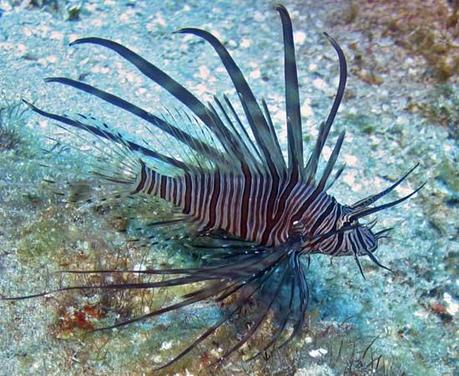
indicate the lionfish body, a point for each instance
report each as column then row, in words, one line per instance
column 260, row 212
column 253, row 207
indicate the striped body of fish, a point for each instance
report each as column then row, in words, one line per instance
column 252, row 207
column 228, row 176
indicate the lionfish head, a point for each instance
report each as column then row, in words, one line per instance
column 348, row 236
column 351, row 237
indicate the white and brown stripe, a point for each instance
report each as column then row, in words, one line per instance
column 250, row 206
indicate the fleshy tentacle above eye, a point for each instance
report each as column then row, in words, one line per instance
column 373, row 198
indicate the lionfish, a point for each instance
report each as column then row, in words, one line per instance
column 255, row 213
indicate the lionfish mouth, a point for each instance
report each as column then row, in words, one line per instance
column 229, row 179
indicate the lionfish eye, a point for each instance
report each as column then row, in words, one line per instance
column 347, row 221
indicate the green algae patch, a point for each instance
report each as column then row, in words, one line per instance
column 440, row 107
column 66, row 9
column 364, row 123
column 11, row 123
column 45, row 237
column 449, row 174
column 98, row 238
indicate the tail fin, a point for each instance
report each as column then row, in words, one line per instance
column 111, row 159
